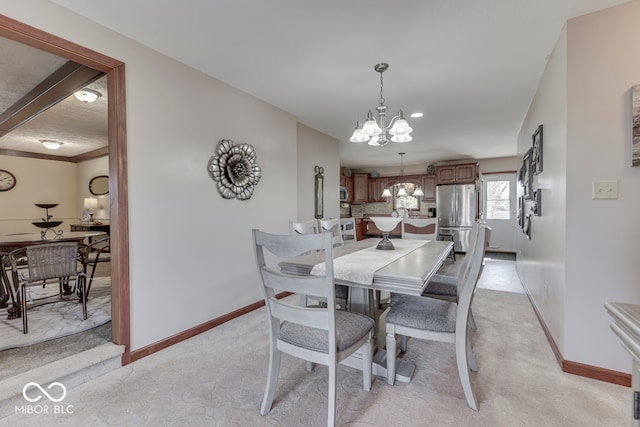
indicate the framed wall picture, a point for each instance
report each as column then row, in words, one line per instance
column 537, row 202
column 527, row 179
column 635, row 112
column 536, row 159
column 319, row 192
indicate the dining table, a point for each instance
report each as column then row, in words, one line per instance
column 16, row 241
column 405, row 270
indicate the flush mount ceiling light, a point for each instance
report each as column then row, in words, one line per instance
column 375, row 130
column 87, row 95
column 51, row 144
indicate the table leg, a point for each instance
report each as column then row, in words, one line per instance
column 362, row 302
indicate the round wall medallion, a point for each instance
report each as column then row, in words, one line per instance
column 431, row 169
column 234, row 169
column 7, row 180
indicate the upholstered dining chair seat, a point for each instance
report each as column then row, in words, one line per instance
column 350, row 328
column 424, row 314
column 442, row 285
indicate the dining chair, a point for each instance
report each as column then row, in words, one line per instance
column 348, row 230
column 445, row 287
column 438, row 320
column 47, row 263
column 420, row 228
column 333, row 226
column 321, row 335
column 304, row 227
column 99, row 252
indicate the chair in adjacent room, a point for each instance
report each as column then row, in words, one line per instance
column 99, row 252
column 420, row 228
column 59, row 263
column 438, row 320
column 321, row 335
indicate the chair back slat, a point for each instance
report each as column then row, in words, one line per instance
column 51, row 261
column 317, row 317
column 332, row 226
column 420, row 228
column 304, row 227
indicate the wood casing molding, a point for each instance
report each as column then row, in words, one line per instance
column 117, row 149
column 576, row 368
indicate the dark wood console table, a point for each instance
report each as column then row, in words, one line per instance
column 90, row 227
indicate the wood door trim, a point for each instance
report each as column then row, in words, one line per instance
column 118, row 190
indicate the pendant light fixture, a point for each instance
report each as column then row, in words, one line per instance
column 402, row 191
column 375, row 131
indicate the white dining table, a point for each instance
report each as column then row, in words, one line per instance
column 409, row 274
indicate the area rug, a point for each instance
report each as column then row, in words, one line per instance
column 58, row 319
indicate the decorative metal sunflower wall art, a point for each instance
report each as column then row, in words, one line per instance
column 234, row 169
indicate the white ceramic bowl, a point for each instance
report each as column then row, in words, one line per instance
column 385, row 223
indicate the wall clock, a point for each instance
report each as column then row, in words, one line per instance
column 7, row 180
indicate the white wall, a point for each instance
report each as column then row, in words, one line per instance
column 586, row 251
column 603, row 246
column 37, row 181
column 541, row 260
column 86, row 171
column 317, row 149
column 190, row 250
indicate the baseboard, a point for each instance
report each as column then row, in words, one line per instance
column 575, row 368
column 196, row 330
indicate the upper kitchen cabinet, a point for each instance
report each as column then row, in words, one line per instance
column 376, row 187
column 360, row 187
column 429, row 187
column 457, row 174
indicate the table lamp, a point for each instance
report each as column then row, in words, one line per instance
column 90, row 204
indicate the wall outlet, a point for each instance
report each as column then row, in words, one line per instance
column 604, row 190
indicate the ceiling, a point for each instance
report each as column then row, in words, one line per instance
column 471, row 66
column 37, row 102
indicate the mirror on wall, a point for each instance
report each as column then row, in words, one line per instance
column 99, row 185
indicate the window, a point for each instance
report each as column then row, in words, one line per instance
column 406, row 202
column 498, row 202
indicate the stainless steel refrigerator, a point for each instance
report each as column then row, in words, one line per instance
column 457, row 209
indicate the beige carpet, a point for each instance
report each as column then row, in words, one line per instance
column 58, row 319
column 217, row 379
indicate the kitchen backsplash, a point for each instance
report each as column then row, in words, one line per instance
column 382, row 209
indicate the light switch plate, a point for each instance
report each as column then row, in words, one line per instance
column 604, row 190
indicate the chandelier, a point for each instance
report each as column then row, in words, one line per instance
column 402, row 186
column 375, row 131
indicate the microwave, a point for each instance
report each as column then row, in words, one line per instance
column 344, row 194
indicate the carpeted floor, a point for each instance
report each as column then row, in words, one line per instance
column 55, row 331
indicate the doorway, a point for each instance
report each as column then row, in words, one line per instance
column 114, row 69
column 499, row 210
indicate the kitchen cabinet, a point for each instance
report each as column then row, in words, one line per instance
column 376, row 187
column 465, row 173
column 429, row 187
column 360, row 187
